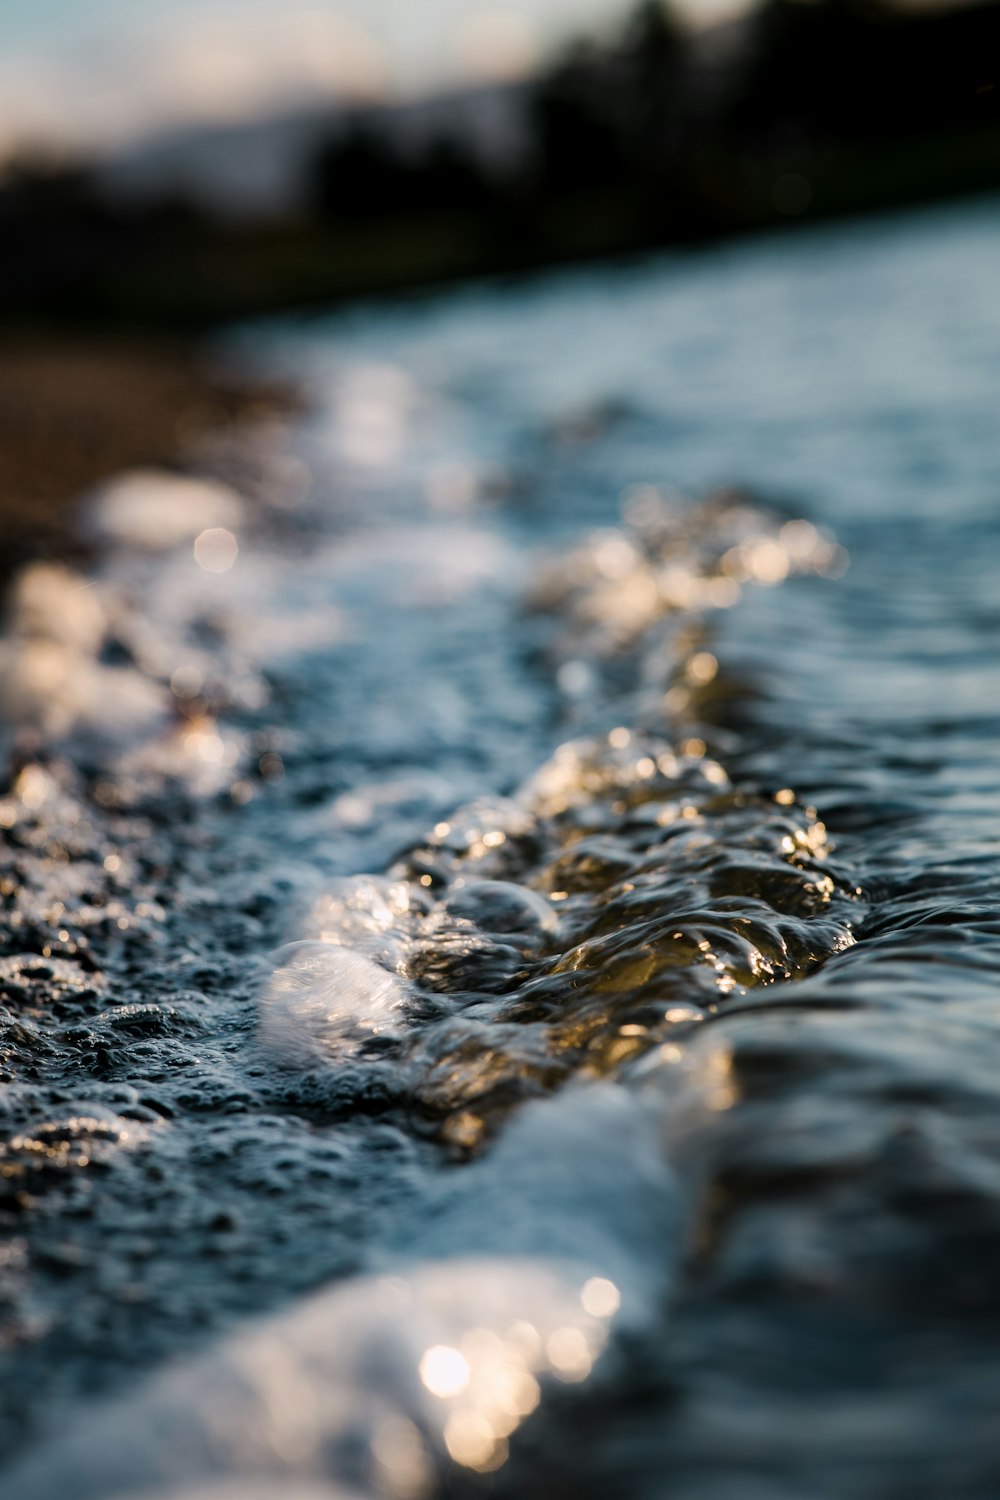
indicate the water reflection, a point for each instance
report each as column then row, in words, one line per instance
column 215, row 550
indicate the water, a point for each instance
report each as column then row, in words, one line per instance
column 500, row 995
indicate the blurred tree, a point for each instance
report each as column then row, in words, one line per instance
column 575, row 129
column 847, row 70
column 364, row 175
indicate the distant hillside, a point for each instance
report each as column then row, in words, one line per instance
column 263, row 167
column 801, row 111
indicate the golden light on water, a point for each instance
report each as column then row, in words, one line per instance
column 489, row 1378
column 702, row 668
column 676, row 1015
column 481, row 1346
column 569, row 1354
column 472, row 1441
column 202, row 739
column 717, row 1079
column 444, row 1371
column 798, row 547
column 600, row 1297
column 517, row 1393
column 525, row 1341
column 34, row 786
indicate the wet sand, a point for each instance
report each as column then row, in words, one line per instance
column 73, row 412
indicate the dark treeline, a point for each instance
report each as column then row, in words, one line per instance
column 803, row 110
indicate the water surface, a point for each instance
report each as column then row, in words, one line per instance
column 519, row 945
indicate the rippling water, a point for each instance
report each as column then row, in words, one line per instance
column 500, row 941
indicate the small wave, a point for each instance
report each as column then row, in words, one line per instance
column 510, row 1284
column 626, row 892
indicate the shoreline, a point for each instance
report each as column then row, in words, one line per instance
column 74, row 411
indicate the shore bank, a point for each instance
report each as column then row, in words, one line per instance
column 75, row 411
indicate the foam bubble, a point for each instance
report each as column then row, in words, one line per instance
column 501, row 907
column 324, row 1002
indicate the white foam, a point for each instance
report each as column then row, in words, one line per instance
column 509, row 1277
column 51, row 603
column 54, row 691
column 509, row 1283
column 155, row 511
column 348, row 1389
column 51, row 682
column 359, row 911
column 323, row 1002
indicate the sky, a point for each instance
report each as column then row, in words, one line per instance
column 100, row 72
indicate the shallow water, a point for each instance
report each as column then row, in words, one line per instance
column 501, row 993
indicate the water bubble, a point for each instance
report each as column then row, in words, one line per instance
column 215, row 550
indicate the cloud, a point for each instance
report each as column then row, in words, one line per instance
column 497, row 44
column 210, row 65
